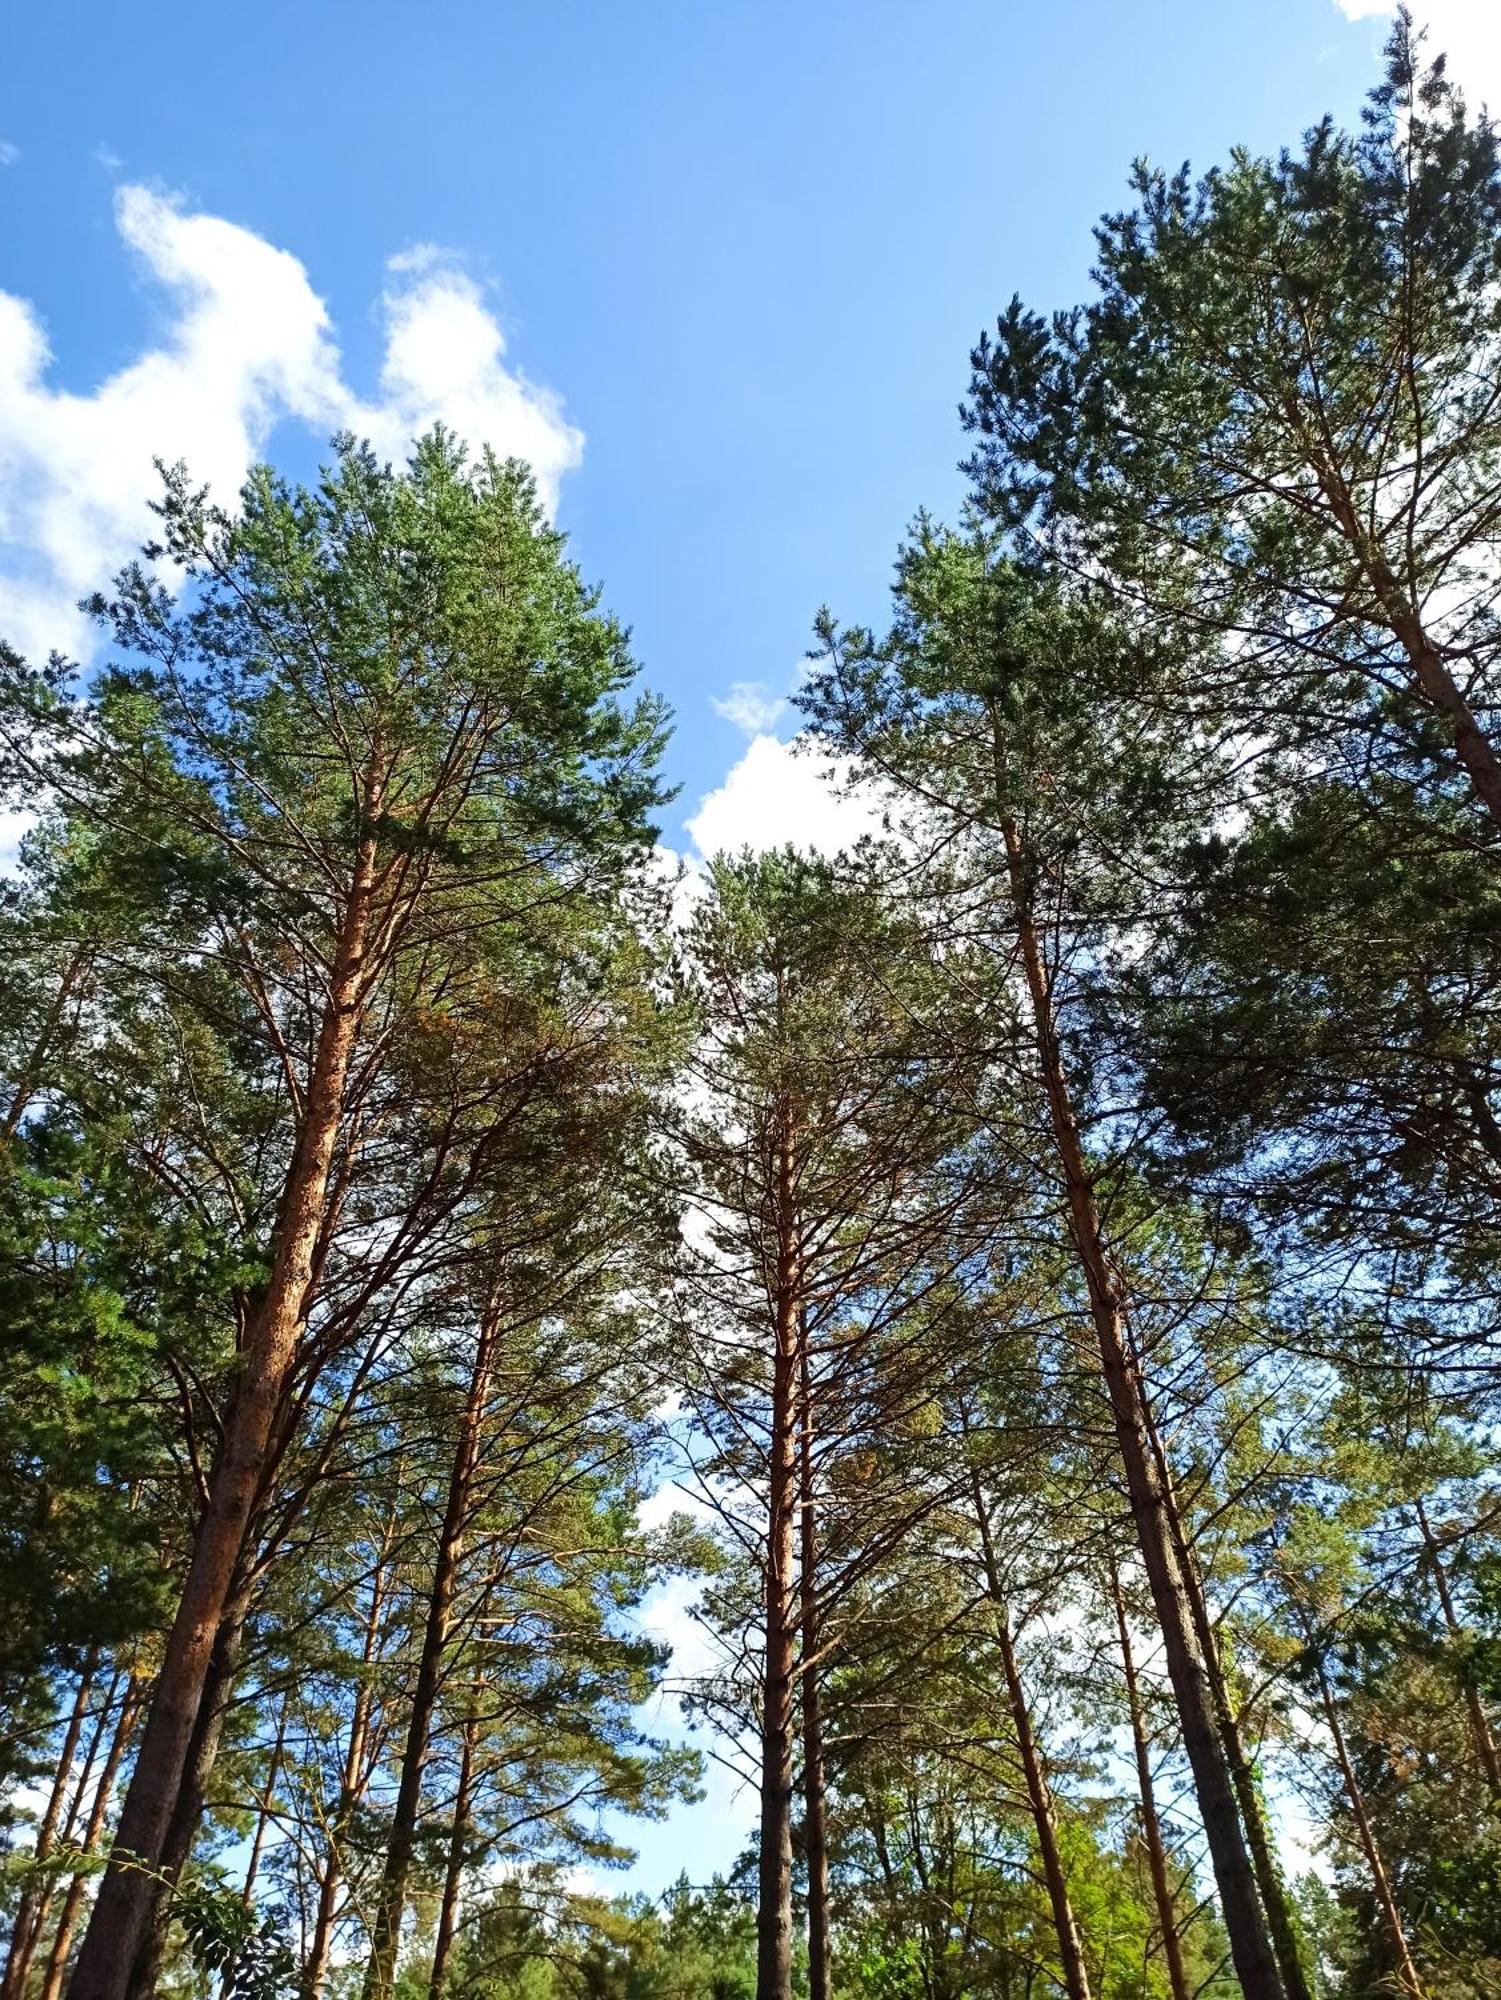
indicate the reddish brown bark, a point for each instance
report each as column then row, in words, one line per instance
column 122, row 1911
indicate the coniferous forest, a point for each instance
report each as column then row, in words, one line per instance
column 1031, row 1279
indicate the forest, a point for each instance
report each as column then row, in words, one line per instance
column 1029, row 1281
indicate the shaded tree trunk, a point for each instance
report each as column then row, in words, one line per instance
column 774, row 1900
column 815, row 1806
column 380, row 1970
column 353, row 1778
column 1281, row 1919
column 62, row 1937
column 123, row 1908
column 1407, row 1972
column 1150, row 1501
column 448, row 1908
column 1039, row 1793
column 1151, row 1825
column 1480, row 1725
column 31, row 1910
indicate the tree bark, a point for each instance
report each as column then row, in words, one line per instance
column 448, row 1909
column 1280, row 1917
column 31, row 1910
column 774, row 1900
column 1250, row 1946
column 146, row 1968
column 1480, row 1725
column 1039, row 1792
column 1151, row 1825
column 1407, row 1972
column 380, row 1970
column 815, row 1804
column 62, row 1938
column 258, row 1843
column 353, row 1778
column 123, row 1907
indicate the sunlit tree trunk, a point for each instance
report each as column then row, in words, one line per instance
column 123, row 1908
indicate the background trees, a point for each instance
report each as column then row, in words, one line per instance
column 1055, row 1245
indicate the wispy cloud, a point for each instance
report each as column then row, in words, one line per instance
column 751, row 706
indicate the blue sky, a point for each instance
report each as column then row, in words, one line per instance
column 747, row 245
column 737, row 254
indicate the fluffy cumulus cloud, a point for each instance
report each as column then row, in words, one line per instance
column 776, row 795
column 248, row 343
column 1468, row 31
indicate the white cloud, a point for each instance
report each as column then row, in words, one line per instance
column 9, row 154
column 248, row 343
column 1467, row 31
column 773, row 797
column 751, row 706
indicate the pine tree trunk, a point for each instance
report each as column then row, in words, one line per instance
column 1151, row 1825
column 122, row 1910
column 258, row 1843
column 774, row 1901
column 1281, row 1920
column 815, row 1804
column 380, row 1970
column 448, row 1909
column 31, row 1910
column 1480, row 1726
column 353, row 1778
column 62, row 1938
column 146, row 1970
column 1380, row 1880
column 1150, row 1503
column 1039, row 1793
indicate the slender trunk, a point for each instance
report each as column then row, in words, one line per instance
column 1281, row 1920
column 774, row 1901
column 123, row 1907
column 31, row 1911
column 448, row 1909
column 258, row 1843
column 62, row 1938
column 1151, row 1825
column 380, row 1970
column 353, row 1778
column 815, row 1811
column 1480, row 1725
column 1039, row 1792
column 1380, row 1880
column 1214, row 1787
